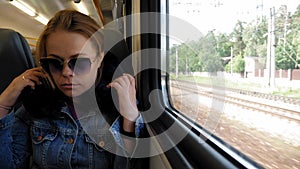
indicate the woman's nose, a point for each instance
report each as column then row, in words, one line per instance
column 66, row 71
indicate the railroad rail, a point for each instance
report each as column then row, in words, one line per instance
column 282, row 107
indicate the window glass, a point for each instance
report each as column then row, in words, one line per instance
column 234, row 69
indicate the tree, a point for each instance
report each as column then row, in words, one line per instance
column 209, row 57
column 287, row 33
column 237, row 37
column 255, row 35
column 238, row 64
column 223, row 45
column 188, row 58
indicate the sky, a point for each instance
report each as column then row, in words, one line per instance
column 221, row 15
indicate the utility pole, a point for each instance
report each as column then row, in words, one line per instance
column 231, row 60
column 176, row 60
column 186, row 64
column 285, row 28
column 271, row 49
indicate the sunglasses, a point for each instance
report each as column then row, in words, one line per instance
column 77, row 65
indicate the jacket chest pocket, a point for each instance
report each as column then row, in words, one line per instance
column 42, row 139
column 40, row 135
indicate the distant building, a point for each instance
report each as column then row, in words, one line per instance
column 252, row 64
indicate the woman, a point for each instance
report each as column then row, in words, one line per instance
column 67, row 130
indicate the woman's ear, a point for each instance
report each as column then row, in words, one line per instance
column 100, row 60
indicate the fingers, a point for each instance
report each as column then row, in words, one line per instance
column 123, row 82
column 31, row 77
column 125, row 87
column 28, row 78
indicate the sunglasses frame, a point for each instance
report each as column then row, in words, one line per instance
column 45, row 63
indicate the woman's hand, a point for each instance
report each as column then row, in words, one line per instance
column 28, row 78
column 125, row 87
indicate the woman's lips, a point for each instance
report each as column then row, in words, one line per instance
column 68, row 86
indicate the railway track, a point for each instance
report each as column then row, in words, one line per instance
column 281, row 107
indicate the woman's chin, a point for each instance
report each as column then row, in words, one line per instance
column 72, row 93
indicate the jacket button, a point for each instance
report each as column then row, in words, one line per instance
column 101, row 143
column 70, row 141
column 39, row 138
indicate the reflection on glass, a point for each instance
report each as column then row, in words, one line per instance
column 252, row 46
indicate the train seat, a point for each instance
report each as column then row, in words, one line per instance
column 15, row 56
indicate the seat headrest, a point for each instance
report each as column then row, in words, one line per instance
column 15, row 56
column 116, row 50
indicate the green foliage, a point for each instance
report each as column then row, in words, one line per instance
column 288, row 39
column 238, row 65
column 238, row 40
column 256, row 38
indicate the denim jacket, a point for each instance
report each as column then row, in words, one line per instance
column 63, row 143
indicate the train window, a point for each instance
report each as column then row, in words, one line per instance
column 232, row 68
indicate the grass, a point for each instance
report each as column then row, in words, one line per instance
column 244, row 84
column 288, row 92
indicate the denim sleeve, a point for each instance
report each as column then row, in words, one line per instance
column 116, row 127
column 131, row 161
column 15, row 147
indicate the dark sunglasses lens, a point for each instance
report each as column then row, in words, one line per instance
column 80, row 65
column 55, row 65
column 51, row 65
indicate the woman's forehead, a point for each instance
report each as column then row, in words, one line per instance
column 65, row 43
